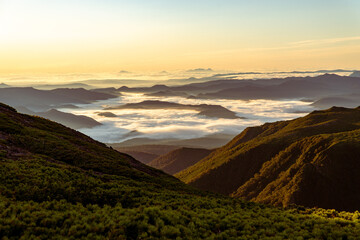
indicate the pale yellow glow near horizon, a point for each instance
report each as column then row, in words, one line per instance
column 42, row 37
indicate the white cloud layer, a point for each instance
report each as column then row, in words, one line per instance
column 182, row 124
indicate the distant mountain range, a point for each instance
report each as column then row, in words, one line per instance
column 40, row 100
column 303, row 88
column 276, row 88
column 311, row 161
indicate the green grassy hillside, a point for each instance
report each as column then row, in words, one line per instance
column 56, row 183
column 312, row 161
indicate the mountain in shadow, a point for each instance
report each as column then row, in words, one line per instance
column 311, row 161
column 179, row 159
column 68, row 119
column 209, row 141
column 43, row 100
column 3, row 85
column 107, row 114
column 290, row 88
column 167, row 93
column 65, row 85
column 355, row 74
column 145, row 153
column 215, row 111
column 350, row 101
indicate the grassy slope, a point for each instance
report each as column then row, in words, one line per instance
column 244, row 160
column 57, row 183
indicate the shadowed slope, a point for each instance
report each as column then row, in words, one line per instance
column 179, row 159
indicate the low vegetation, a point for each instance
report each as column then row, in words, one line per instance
column 56, row 183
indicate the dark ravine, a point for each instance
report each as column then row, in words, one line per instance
column 179, row 159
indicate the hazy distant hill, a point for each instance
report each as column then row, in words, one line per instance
column 40, row 100
column 67, row 119
column 107, row 114
column 308, row 87
column 65, row 85
column 109, row 90
column 203, row 109
column 209, row 141
column 83, row 94
column 276, row 88
column 57, row 183
column 144, row 157
column 327, row 102
column 310, row 161
column 355, row 74
column 155, row 88
column 145, row 153
column 179, row 159
column 168, row 93
column 3, row 85
column 344, row 100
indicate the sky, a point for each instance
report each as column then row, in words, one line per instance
column 77, row 36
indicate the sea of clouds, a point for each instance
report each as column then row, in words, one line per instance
column 182, row 124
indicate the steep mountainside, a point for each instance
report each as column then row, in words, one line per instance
column 179, row 159
column 56, row 183
column 24, row 135
column 311, row 161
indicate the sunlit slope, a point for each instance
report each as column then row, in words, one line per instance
column 56, row 183
column 29, row 137
column 311, row 160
